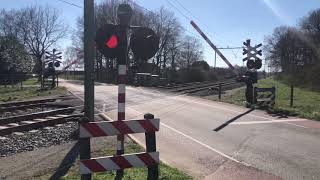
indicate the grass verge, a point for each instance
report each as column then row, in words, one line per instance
column 17, row 94
column 72, row 77
column 166, row 172
column 31, row 81
column 306, row 103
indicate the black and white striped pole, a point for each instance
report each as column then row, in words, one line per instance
column 124, row 16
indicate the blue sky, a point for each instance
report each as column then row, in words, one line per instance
column 226, row 22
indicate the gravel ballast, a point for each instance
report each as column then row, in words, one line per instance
column 34, row 139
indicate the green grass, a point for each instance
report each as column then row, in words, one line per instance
column 31, row 81
column 17, row 94
column 72, row 77
column 166, row 172
column 306, row 103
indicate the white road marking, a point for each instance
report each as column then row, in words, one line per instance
column 187, row 98
column 197, row 141
column 297, row 125
column 204, row 145
column 252, row 115
column 266, row 122
column 104, row 107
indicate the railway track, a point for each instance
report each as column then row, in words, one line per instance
column 188, row 88
column 48, row 114
column 211, row 87
column 11, row 107
column 199, row 86
column 172, row 86
column 36, row 120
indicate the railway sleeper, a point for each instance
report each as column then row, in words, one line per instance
column 36, row 124
column 30, row 102
column 208, row 87
column 19, row 103
column 44, row 114
column 29, row 106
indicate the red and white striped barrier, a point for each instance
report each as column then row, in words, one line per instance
column 111, row 128
column 213, row 46
column 118, row 162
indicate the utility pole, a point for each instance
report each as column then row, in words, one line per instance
column 215, row 59
column 89, row 35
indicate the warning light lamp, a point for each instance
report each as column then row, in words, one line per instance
column 108, row 40
column 57, row 64
column 144, row 43
column 112, row 42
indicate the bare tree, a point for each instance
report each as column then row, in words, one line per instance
column 72, row 54
column 40, row 28
column 191, row 52
column 167, row 27
column 311, row 24
column 9, row 23
column 295, row 51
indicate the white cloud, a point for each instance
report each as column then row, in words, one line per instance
column 278, row 11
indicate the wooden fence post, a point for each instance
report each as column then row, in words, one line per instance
column 291, row 96
column 274, row 95
column 255, row 95
column 153, row 171
column 11, row 79
column 57, row 80
column 220, row 91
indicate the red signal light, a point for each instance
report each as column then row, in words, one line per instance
column 112, row 42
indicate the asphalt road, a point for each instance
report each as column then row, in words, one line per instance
column 214, row 140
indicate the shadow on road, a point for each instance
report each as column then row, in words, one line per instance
column 280, row 113
column 67, row 162
column 231, row 120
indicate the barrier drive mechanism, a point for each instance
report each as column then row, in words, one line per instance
column 149, row 125
column 265, row 97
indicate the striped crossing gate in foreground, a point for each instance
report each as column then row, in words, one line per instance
column 265, row 97
column 149, row 125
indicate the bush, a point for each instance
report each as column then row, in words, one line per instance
column 212, row 75
column 192, row 75
column 310, row 80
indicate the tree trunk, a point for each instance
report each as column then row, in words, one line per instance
column 173, row 68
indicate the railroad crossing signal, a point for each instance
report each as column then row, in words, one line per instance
column 111, row 42
column 144, row 42
column 53, row 57
column 252, row 52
